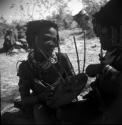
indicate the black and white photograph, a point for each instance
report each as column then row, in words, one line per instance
column 61, row 62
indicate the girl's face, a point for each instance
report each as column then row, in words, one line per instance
column 46, row 41
column 106, row 36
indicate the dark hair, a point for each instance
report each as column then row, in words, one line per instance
column 110, row 14
column 37, row 26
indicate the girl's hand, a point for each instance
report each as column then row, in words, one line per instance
column 110, row 72
column 93, row 69
column 45, row 95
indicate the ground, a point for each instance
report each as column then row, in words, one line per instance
column 8, row 67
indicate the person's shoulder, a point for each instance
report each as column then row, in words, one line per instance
column 23, row 69
column 63, row 58
column 23, row 64
column 62, row 55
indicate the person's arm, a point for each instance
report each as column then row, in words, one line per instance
column 24, row 74
column 110, row 72
column 114, row 113
column 116, row 108
column 25, row 81
column 30, row 99
column 93, row 69
column 26, row 97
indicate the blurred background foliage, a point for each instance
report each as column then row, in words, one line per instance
column 63, row 17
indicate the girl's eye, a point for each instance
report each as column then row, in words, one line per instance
column 46, row 38
column 49, row 38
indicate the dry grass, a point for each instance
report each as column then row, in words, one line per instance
column 8, row 71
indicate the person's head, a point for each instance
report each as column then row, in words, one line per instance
column 9, row 32
column 42, row 36
column 107, row 25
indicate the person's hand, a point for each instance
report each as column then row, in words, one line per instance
column 93, row 69
column 58, row 82
column 109, row 71
column 82, row 78
column 50, row 100
column 65, row 93
column 45, row 95
column 78, row 81
column 109, row 80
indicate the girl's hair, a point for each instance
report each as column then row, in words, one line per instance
column 109, row 16
column 36, row 27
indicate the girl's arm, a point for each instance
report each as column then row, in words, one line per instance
column 26, row 97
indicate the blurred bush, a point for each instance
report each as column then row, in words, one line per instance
column 63, row 19
column 66, row 21
column 18, row 26
column 85, row 23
